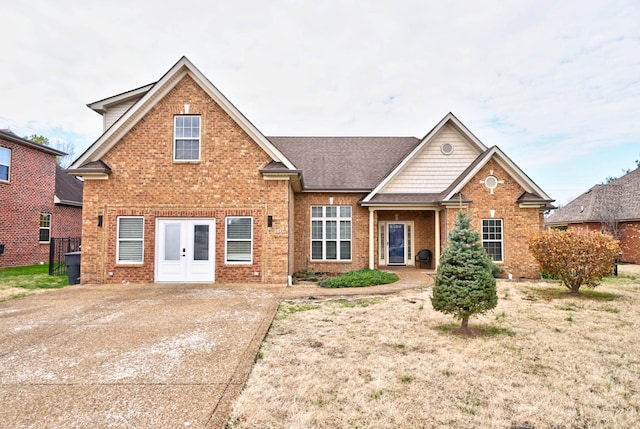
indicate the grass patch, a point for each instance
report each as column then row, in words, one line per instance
column 362, row 302
column 288, row 308
column 31, row 277
column 476, row 330
column 360, row 278
column 553, row 292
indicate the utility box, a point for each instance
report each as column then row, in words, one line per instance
column 72, row 261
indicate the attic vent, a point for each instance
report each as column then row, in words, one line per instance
column 491, row 182
column 447, row 148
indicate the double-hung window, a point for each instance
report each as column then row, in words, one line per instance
column 331, row 233
column 45, row 227
column 492, row 238
column 186, row 138
column 239, row 240
column 5, row 163
column 130, row 244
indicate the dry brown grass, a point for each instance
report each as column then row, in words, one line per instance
column 542, row 359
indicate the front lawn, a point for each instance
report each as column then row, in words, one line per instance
column 542, row 359
column 16, row 282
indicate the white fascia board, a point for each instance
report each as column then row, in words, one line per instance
column 239, row 118
column 449, row 117
column 100, row 106
column 130, row 118
column 509, row 166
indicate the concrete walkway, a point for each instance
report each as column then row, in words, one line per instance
column 141, row 355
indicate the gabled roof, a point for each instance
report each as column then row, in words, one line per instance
column 154, row 94
column 619, row 200
column 8, row 135
column 353, row 164
column 448, row 119
column 68, row 189
column 532, row 191
column 101, row 106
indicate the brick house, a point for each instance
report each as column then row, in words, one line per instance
column 181, row 187
column 39, row 201
column 613, row 207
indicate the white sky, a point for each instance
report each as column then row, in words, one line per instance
column 554, row 84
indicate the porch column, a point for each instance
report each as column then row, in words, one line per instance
column 371, row 240
column 437, row 249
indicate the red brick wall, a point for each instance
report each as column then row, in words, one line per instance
column 424, row 230
column 146, row 182
column 629, row 238
column 66, row 221
column 519, row 224
column 302, row 228
column 29, row 192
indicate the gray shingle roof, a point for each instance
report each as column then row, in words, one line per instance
column 68, row 188
column 344, row 163
column 619, row 199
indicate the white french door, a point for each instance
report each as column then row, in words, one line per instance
column 185, row 250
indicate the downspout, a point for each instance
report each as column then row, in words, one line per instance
column 437, row 249
column 371, row 240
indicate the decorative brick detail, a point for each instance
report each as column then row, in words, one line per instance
column 519, row 224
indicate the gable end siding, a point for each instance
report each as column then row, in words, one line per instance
column 114, row 113
column 431, row 170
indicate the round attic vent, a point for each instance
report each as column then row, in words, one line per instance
column 491, row 182
column 447, row 148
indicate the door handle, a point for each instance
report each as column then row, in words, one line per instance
column 184, row 252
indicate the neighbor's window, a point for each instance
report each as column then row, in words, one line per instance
column 331, row 233
column 5, row 163
column 492, row 238
column 130, row 244
column 239, row 240
column 45, row 227
column 186, row 136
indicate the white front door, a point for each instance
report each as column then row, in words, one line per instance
column 185, row 250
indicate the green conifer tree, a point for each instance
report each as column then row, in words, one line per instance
column 464, row 284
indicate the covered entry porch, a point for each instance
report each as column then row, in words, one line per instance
column 398, row 233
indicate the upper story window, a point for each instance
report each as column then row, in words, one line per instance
column 5, row 163
column 45, row 227
column 186, row 138
column 331, row 233
column 492, row 238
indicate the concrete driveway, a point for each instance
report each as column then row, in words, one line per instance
column 134, row 356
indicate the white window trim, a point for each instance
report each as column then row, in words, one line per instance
column 40, row 227
column 226, row 241
column 175, row 138
column 338, row 238
column 8, row 166
column 501, row 241
column 128, row 262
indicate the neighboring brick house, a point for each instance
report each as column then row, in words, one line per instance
column 613, row 207
column 181, row 187
column 39, row 201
